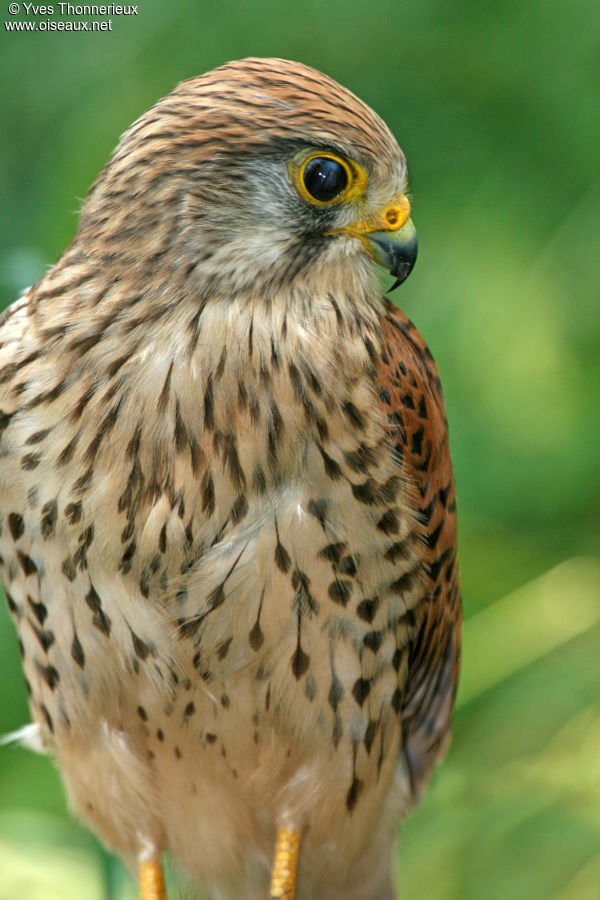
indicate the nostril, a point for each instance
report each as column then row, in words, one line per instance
column 391, row 216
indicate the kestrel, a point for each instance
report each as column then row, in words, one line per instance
column 226, row 498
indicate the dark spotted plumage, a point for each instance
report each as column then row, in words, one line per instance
column 227, row 513
column 435, row 652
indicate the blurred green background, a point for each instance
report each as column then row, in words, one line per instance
column 497, row 108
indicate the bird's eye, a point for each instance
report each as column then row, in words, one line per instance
column 324, row 178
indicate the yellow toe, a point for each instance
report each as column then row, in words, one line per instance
column 152, row 882
column 283, row 877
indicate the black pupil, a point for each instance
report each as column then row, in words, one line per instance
column 324, row 178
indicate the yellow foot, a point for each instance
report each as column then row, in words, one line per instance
column 283, row 877
column 152, row 882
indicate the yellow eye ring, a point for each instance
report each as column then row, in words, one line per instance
column 355, row 178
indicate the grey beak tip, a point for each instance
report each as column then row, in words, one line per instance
column 397, row 251
column 402, row 262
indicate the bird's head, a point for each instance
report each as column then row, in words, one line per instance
column 261, row 171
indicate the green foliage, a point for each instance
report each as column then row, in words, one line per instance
column 496, row 108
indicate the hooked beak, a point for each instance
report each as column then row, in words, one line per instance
column 390, row 238
column 396, row 250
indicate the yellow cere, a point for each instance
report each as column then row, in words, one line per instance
column 392, row 217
